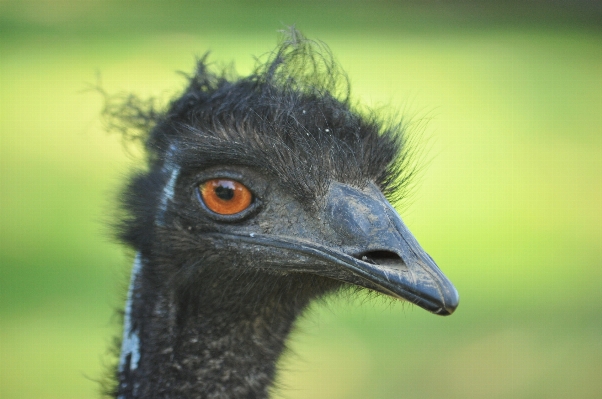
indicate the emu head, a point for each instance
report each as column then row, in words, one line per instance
column 279, row 173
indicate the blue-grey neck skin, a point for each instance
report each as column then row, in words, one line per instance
column 130, row 346
column 173, row 171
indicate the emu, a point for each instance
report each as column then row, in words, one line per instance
column 260, row 194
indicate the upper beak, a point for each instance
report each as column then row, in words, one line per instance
column 388, row 256
column 364, row 242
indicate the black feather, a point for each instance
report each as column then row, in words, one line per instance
column 292, row 122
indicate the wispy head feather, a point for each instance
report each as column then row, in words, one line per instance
column 291, row 117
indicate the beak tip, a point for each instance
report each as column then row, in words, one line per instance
column 445, row 311
column 450, row 304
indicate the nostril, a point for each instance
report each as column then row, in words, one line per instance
column 384, row 258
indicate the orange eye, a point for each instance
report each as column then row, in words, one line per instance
column 225, row 197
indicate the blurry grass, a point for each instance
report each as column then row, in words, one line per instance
column 56, row 350
column 389, row 354
column 509, row 207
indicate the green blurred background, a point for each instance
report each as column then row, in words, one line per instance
column 509, row 204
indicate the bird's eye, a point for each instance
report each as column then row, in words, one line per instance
column 225, row 196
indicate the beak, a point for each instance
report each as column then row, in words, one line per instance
column 387, row 256
column 364, row 242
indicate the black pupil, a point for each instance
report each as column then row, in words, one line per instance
column 224, row 193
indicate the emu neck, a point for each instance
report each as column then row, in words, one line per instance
column 218, row 335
